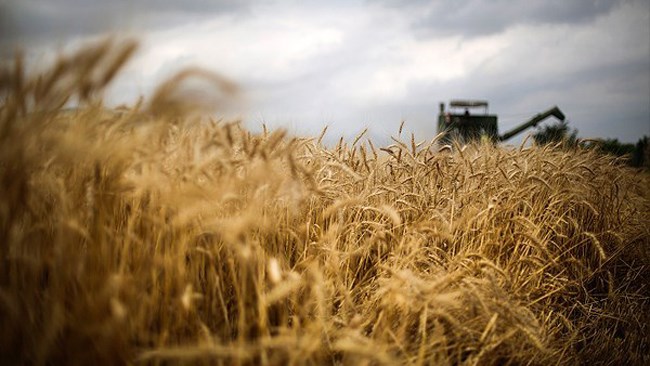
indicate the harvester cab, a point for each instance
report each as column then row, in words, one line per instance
column 469, row 120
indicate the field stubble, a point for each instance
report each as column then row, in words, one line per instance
column 150, row 235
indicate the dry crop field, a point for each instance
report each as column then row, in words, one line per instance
column 151, row 235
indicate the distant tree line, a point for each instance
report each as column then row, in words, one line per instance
column 636, row 155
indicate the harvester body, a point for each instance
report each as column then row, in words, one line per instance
column 462, row 122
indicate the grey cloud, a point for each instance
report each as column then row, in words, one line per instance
column 605, row 101
column 478, row 17
column 603, row 96
column 33, row 21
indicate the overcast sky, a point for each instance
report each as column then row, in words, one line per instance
column 355, row 64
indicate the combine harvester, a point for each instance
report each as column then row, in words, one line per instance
column 459, row 124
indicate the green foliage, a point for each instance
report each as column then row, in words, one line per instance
column 636, row 155
column 555, row 134
column 615, row 147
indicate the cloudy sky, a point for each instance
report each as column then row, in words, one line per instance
column 355, row 64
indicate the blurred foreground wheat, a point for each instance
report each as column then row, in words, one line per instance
column 151, row 235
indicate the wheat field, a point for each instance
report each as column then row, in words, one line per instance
column 151, row 234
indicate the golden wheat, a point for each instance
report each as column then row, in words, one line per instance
column 152, row 235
